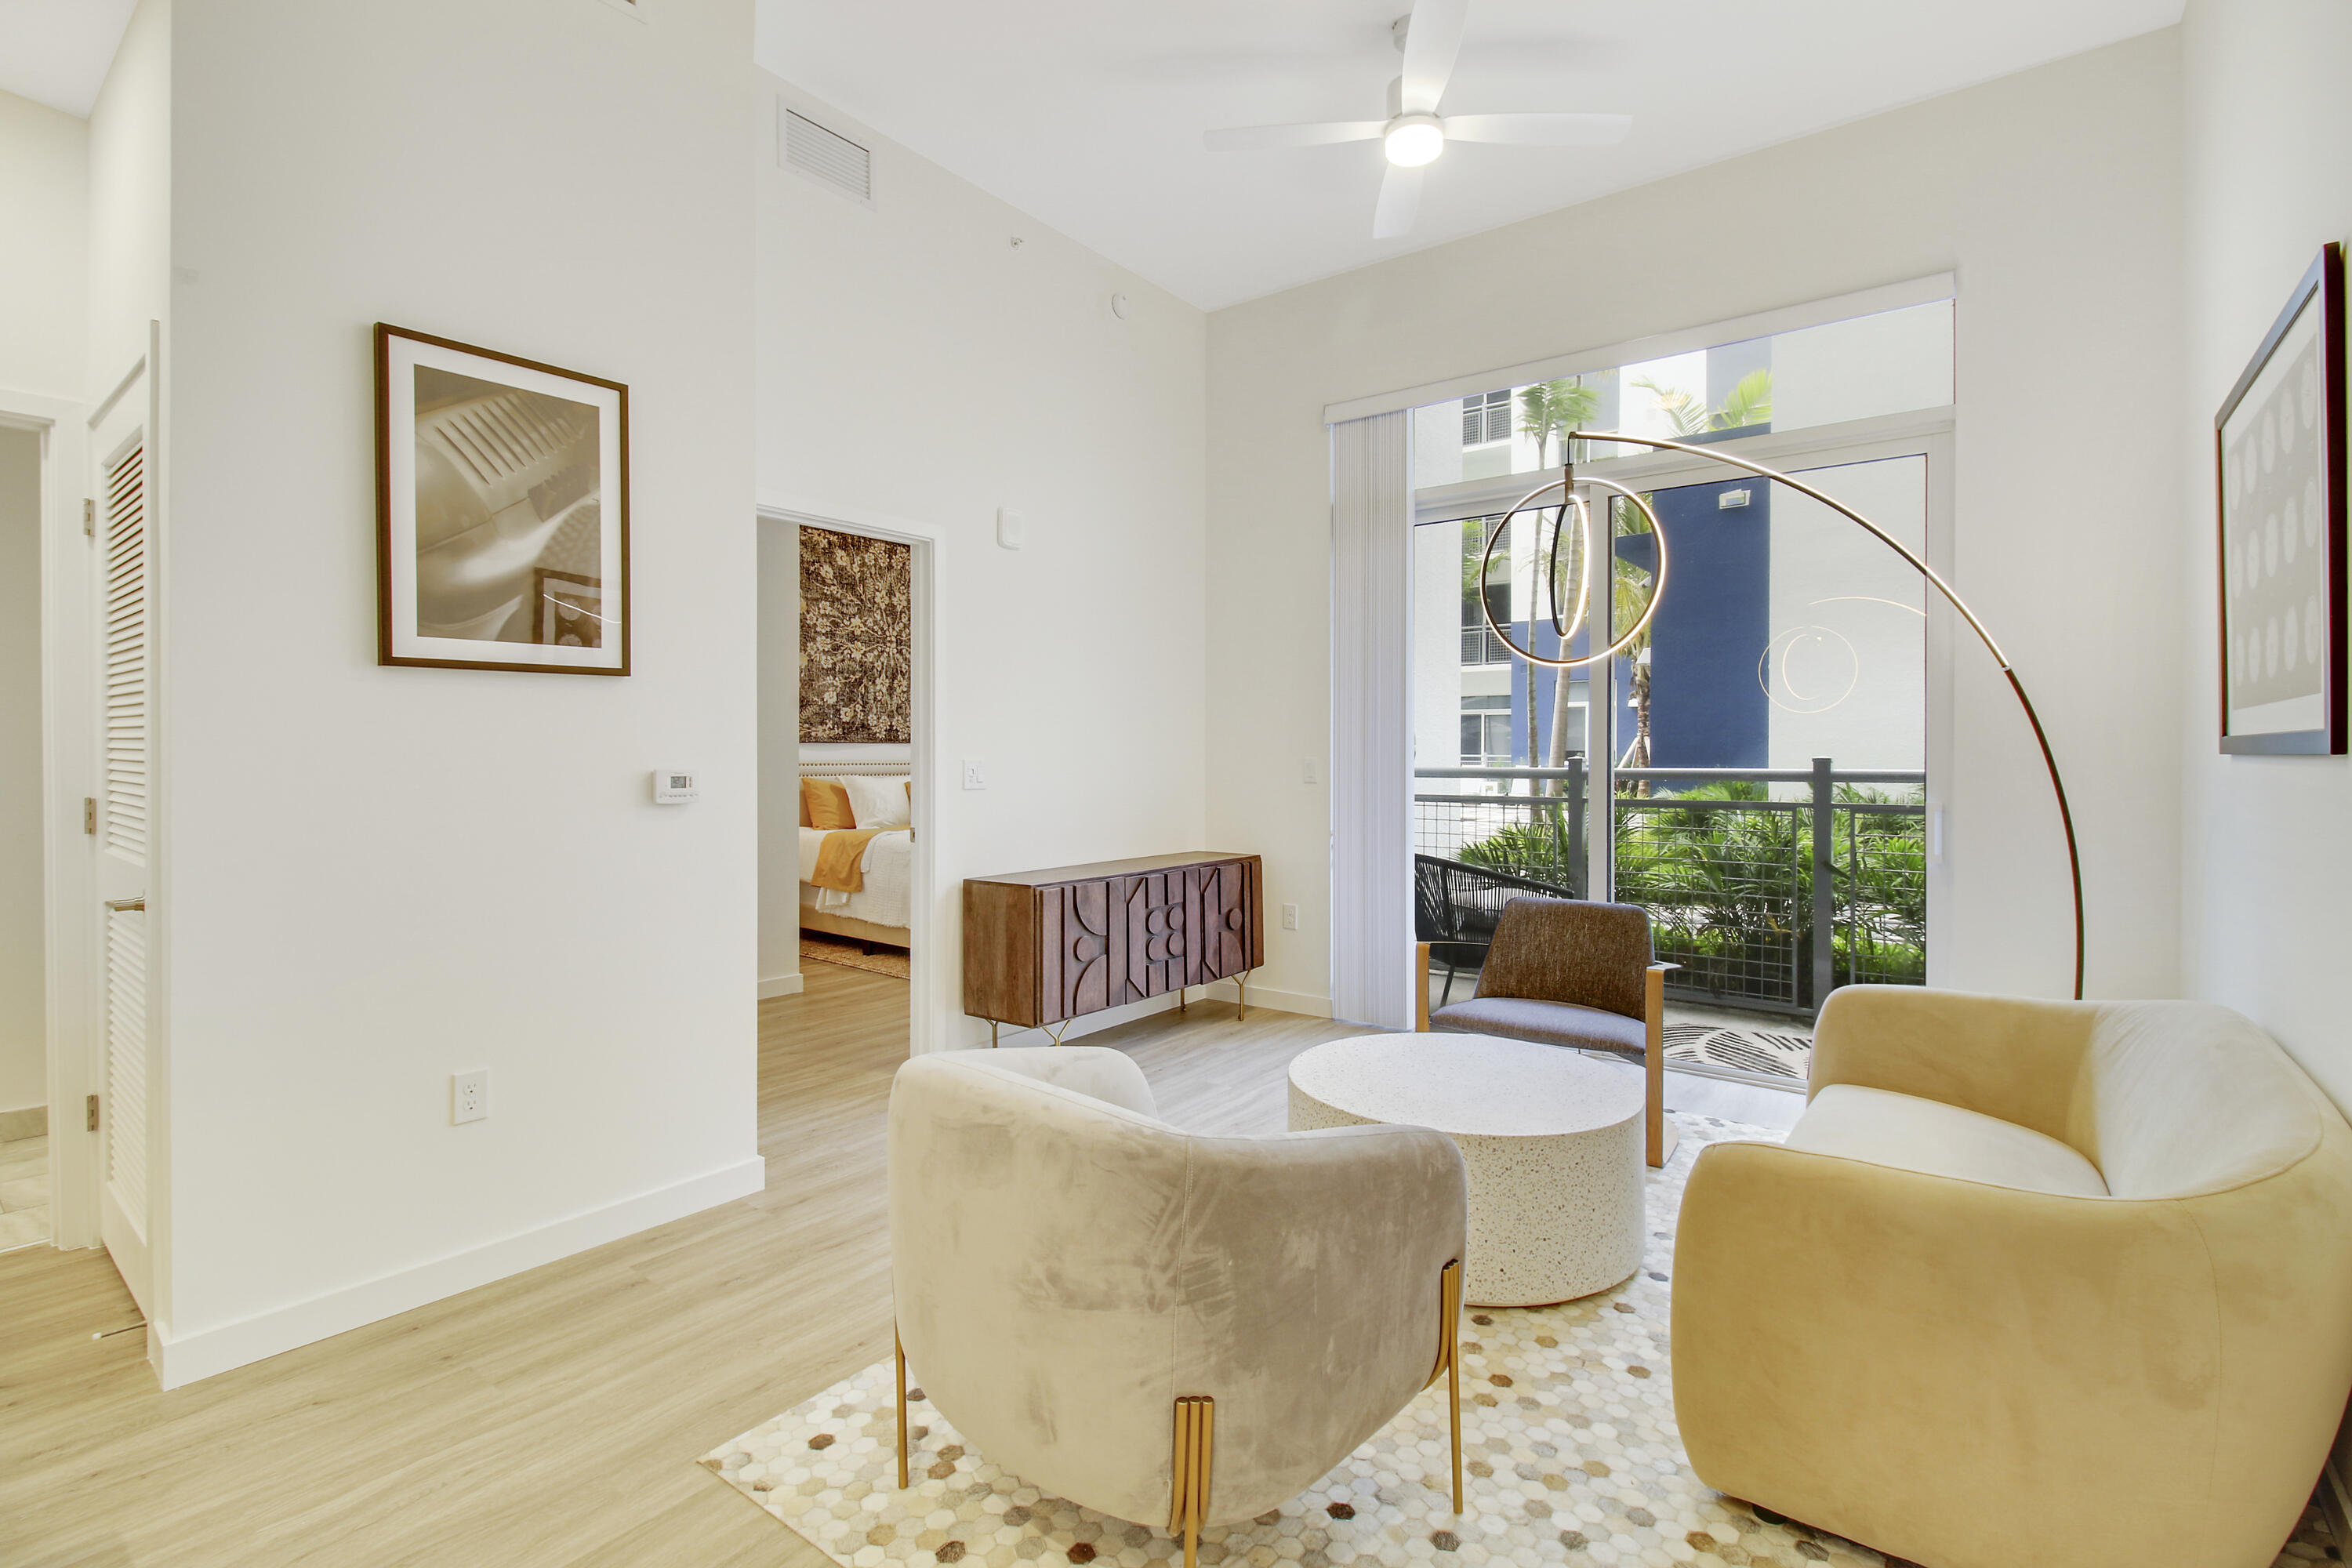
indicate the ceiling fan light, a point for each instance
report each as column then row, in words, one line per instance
column 1413, row 140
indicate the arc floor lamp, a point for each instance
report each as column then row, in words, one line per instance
column 1567, row 623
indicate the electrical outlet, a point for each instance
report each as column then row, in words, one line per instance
column 1290, row 917
column 975, row 776
column 469, row 1096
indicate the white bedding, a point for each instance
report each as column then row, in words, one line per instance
column 888, row 898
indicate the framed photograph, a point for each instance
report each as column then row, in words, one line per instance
column 2279, row 442
column 502, row 510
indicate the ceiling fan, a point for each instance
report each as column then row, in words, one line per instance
column 1414, row 135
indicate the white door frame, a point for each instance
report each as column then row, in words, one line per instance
column 929, row 1018
column 68, row 744
column 132, row 411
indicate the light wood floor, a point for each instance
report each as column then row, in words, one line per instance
column 552, row 1418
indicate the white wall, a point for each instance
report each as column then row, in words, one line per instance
column 129, row 270
column 23, row 1051
column 44, row 264
column 2267, row 841
column 915, row 364
column 380, row 876
column 2054, row 195
column 780, row 750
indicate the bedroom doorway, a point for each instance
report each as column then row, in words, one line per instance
column 846, row 777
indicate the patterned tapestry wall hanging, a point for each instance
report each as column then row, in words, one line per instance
column 855, row 614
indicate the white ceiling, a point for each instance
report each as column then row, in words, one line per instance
column 57, row 51
column 1088, row 115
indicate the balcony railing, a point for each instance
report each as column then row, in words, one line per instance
column 1766, row 904
column 1480, row 646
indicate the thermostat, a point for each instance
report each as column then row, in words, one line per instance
column 675, row 786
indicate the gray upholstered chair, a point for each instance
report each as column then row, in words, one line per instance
column 1567, row 971
column 1156, row 1324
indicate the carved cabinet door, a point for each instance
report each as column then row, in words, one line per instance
column 1152, row 943
column 1218, row 897
column 1075, row 936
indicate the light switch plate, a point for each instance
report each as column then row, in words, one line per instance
column 1290, row 917
column 677, row 786
column 975, row 776
column 1010, row 530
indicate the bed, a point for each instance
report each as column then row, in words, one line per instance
column 882, row 910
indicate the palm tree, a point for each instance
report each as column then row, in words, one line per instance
column 1551, row 409
column 1749, row 403
column 1630, row 586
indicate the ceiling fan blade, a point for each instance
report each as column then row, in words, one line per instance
column 1400, row 202
column 1257, row 138
column 1540, row 130
column 1433, row 37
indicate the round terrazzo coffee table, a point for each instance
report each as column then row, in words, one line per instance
column 1552, row 1143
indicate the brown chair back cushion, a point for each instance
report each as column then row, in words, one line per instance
column 1568, row 950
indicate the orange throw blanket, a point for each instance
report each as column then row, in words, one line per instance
column 837, row 859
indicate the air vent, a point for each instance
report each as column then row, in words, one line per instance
column 834, row 159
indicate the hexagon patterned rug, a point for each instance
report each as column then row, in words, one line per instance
column 1567, row 1436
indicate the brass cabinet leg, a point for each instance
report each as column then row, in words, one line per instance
column 1180, row 999
column 1196, row 1430
column 898, row 1346
column 991, row 1034
column 1241, row 990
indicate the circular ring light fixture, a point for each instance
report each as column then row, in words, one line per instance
column 1549, row 574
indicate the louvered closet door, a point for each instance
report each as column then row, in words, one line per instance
column 126, row 668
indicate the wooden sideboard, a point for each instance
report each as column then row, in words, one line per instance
column 1044, row 947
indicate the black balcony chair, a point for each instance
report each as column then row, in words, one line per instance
column 1455, row 907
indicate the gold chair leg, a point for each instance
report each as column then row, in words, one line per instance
column 1450, row 1293
column 1449, row 1360
column 898, row 1346
column 1196, row 1454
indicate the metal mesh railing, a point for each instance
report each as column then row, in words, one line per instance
column 1537, row 834
column 1739, row 885
column 1481, row 646
column 1725, row 885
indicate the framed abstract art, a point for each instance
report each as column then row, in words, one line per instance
column 502, row 510
column 2280, row 448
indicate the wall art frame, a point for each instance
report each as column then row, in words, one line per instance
column 502, row 510
column 2280, row 477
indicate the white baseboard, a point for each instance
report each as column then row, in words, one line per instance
column 1276, row 1000
column 781, row 985
column 184, row 1358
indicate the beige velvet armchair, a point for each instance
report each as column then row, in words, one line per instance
column 1158, row 1325
column 2030, row 1282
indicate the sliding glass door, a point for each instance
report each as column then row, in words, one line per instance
column 1750, row 765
